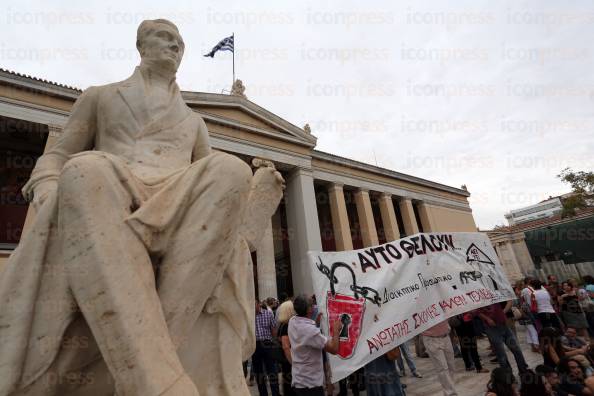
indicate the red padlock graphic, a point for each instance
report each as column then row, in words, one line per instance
column 349, row 310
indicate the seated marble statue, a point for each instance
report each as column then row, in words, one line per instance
column 136, row 276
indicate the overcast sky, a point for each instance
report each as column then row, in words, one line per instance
column 497, row 95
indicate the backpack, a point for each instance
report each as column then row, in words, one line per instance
column 533, row 304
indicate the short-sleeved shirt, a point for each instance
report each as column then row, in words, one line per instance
column 264, row 324
column 543, row 301
column 307, row 344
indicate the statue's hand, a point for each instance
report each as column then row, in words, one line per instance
column 267, row 190
column 263, row 174
column 269, row 180
column 265, row 195
column 42, row 191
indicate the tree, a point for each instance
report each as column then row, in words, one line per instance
column 582, row 184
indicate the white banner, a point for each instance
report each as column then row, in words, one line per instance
column 387, row 294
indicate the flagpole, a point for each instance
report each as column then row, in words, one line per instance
column 233, row 35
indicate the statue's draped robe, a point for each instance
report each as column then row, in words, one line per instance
column 165, row 163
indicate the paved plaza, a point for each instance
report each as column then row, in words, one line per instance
column 467, row 383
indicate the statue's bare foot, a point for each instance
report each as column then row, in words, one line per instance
column 265, row 195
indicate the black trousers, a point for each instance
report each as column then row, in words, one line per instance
column 356, row 381
column 288, row 390
column 317, row 391
column 263, row 362
column 548, row 319
column 468, row 347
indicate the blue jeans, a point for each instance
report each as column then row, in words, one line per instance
column 381, row 378
column 502, row 335
column 405, row 351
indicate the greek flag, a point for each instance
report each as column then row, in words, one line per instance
column 225, row 44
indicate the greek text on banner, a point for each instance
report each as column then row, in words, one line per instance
column 385, row 295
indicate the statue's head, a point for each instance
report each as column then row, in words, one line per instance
column 160, row 45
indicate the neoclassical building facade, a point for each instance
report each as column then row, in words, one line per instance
column 330, row 202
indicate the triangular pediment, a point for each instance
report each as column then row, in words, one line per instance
column 238, row 112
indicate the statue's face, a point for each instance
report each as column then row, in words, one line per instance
column 163, row 47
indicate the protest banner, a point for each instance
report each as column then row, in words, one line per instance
column 385, row 295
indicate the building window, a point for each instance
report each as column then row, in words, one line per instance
column 21, row 144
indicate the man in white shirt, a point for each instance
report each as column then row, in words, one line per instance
column 307, row 344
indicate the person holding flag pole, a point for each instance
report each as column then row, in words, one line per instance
column 226, row 44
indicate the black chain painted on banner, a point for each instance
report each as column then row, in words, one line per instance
column 326, row 271
column 364, row 291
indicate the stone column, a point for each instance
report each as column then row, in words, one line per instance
column 266, row 267
column 426, row 218
column 365, row 214
column 303, row 227
column 508, row 261
column 340, row 219
column 408, row 216
column 54, row 132
column 523, row 254
column 389, row 217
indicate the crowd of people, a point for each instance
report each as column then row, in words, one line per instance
column 558, row 321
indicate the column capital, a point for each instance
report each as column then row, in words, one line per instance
column 299, row 171
column 363, row 190
column 336, row 186
column 386, row 195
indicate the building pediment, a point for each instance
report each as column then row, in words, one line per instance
column 240, row 113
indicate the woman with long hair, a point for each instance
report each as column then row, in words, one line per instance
column 551, row 346
column 573, row 378
column 533, row 384
column 285, row 312
column 553, row 350
column 571, row 310
column 502, row 383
